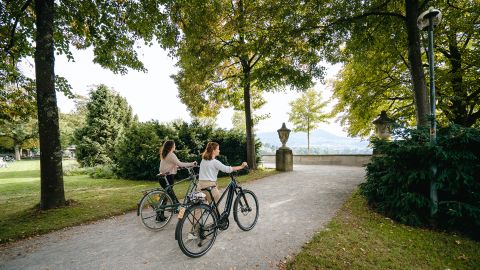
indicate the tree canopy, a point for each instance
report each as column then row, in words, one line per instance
column 232, row 50
column 374, row 41
column 108, row 116
column 45, row 27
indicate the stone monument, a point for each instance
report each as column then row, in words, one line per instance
column 284, row 155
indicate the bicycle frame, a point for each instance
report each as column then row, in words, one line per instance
column 232, row 188
column 193, row 178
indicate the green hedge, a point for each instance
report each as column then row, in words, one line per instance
column 398, row 179
column 137, row 154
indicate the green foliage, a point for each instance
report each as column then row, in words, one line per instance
column 398, row 180
column 252, row 46
column 370, row 38
column 108, row 115
column 231, row 52
column 17, row 102
column 104, row 171
column 137, row 154
column 70, row 122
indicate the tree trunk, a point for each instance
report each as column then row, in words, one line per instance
column 308, row 142
column 308, row 139
column 17, row 152
column 458, row 108
column 52, row 193
column 251, row 155
column 416, row 64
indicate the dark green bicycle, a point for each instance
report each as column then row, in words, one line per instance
column 156, row 208
column 198, row 223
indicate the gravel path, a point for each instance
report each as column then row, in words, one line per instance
column 293, row 206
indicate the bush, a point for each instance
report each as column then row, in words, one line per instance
column 137, row 155
column 398, row 180
column 106, row 171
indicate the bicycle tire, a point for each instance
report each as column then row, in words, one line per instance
column 245, row 210
column 198, row 221
column 150, row 212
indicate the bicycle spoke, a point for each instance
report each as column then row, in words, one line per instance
column 155, row 210
column 246, row 210
column 194, row 238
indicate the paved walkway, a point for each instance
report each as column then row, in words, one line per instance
column 293, row 206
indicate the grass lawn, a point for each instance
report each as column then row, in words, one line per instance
column 358, row 238
column 91, row 199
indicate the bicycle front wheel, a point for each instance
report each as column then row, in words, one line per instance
column 245, row 210
column 197, row 230
column 156, row 210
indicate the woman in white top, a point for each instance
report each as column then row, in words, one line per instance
column 169, row 164
column 209, row 168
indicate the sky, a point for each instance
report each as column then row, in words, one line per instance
column 153, row 95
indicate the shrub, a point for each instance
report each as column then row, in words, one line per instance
column 398, row 180
column 106, row 171
column 137, row 155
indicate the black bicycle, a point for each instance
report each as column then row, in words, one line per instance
column 198, row 223
column 156, row 208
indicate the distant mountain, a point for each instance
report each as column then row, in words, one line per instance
column 319, row 140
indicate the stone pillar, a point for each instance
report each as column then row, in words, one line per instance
column 284, row 159
column 284, row 155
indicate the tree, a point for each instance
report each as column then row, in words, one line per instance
column 347, row 28
column 111, row 27
column 20, row 132
column 108, row 116
column 18, row 114
column 238, row 121
column 380, row 47
column 306, row 113
column 70, row 122
column 457, row 42
column 230, row 51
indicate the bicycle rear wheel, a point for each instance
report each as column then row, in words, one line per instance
column 245, row 210
column 197, row 230
column 156, row 210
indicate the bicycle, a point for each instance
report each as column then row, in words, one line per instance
column 156, row 207
column 197, row 227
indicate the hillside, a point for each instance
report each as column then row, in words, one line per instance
column 321, row 142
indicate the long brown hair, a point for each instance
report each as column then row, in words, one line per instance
column 208, row 153
column 166, row 148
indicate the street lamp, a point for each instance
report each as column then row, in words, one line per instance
column 426, row 22
column 382, row 125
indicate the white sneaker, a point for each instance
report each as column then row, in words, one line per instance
column 191, row 236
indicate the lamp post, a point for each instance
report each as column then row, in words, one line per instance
column 426, row 22
column 382, row 125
